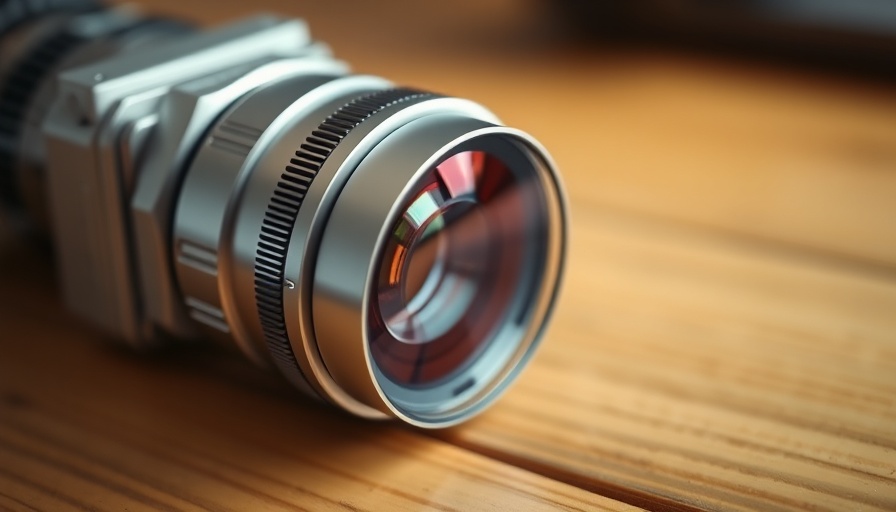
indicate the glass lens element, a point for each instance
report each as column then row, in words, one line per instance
column 451, row 268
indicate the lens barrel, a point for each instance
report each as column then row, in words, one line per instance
column 289, row 211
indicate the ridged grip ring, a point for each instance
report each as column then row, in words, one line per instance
column 283, row 210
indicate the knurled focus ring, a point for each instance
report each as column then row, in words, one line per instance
column 283, row 210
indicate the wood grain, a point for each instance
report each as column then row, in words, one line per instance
column 726, row 339
column 717, row 376
column 85, row 426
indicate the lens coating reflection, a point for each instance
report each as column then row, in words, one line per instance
column 451, row 268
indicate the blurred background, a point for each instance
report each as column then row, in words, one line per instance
column 771, row 120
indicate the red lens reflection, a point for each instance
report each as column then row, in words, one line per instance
column 451, row 268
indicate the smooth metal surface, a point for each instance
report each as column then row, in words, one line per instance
column 202, row 54
column 86, row 191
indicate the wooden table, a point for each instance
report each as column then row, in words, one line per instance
column 726, row 339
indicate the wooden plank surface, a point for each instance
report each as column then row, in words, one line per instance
column 726, row 338
column 87, row 426
column 717, row 376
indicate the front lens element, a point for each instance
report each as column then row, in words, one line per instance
column 452, row 267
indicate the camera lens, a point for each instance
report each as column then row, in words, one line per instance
column 391, row 251
column 394, row 252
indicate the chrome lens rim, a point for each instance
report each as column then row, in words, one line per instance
column 487, row 372
column 349, row 258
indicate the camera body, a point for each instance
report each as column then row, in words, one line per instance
column 118, row 137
